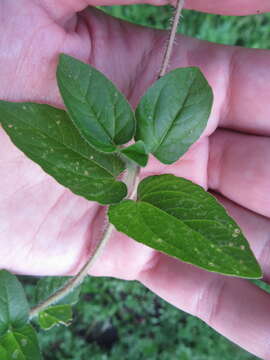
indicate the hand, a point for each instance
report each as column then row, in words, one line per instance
column 45, row 229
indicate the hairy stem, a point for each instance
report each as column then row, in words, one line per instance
column 131, row 179
column 76, row 280
column 170, row 43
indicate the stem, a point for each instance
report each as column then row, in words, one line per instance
column 170, row 43
column 133, row 193
column 131, row 179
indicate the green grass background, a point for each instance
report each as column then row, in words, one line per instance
column 248, row 31
column 123, row 320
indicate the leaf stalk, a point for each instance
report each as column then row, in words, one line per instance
column 76, row 280
column 131, row 179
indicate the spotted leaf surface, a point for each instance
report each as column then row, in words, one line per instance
column 21, row 344
column 48, row 137
column 179, row 218
column 98, row 109
column 61, row 312
column 14, row 308
column 173, row 113
column 55, row 315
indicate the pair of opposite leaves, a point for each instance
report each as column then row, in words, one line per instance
column 170, row 117
column 86, row 155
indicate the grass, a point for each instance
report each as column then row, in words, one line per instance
column 123, row 320
column 249, row 31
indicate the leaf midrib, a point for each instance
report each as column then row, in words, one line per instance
column 182, row 193
column 109, row 137
column 173, row 120
column 202, row 237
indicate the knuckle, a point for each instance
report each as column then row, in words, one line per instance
column 209, row 300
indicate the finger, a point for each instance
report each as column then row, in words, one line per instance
column 229, row 7
column 256, row 229
column 65, row 9
column 239, row 169
column 192, row 165
column 131, row 56
column 234, row 307
column 236, row 75
column 247, row 106
column 240, row 80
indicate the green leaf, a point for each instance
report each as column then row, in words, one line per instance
column 98, row 109
column 14, row 308
column 3, row 353
column 48, row 137
column 48, row 285
column 173, row 113
column 179, row 218
column 54, row 315
column 21, row 344
column 137, row 153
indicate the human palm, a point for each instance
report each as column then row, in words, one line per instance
column 45, row 229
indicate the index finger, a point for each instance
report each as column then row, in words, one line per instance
column 230, row 7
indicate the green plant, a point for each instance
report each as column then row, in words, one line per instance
column 84, row 150
column 123, row 319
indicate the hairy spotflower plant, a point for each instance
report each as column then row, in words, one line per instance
column 84, row 149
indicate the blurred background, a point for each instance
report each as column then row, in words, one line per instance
column 123, row 320
column 248, row 31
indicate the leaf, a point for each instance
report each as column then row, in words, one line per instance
column 137, row 153
column 21, row 344
column 98, row 109
column 54, row 315
column 3, row 353
column 48, row 137
column 14, row 308
column 179, row 218
column 173, row 113
column 48, row 285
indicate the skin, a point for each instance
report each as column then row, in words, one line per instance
column 47, row 230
